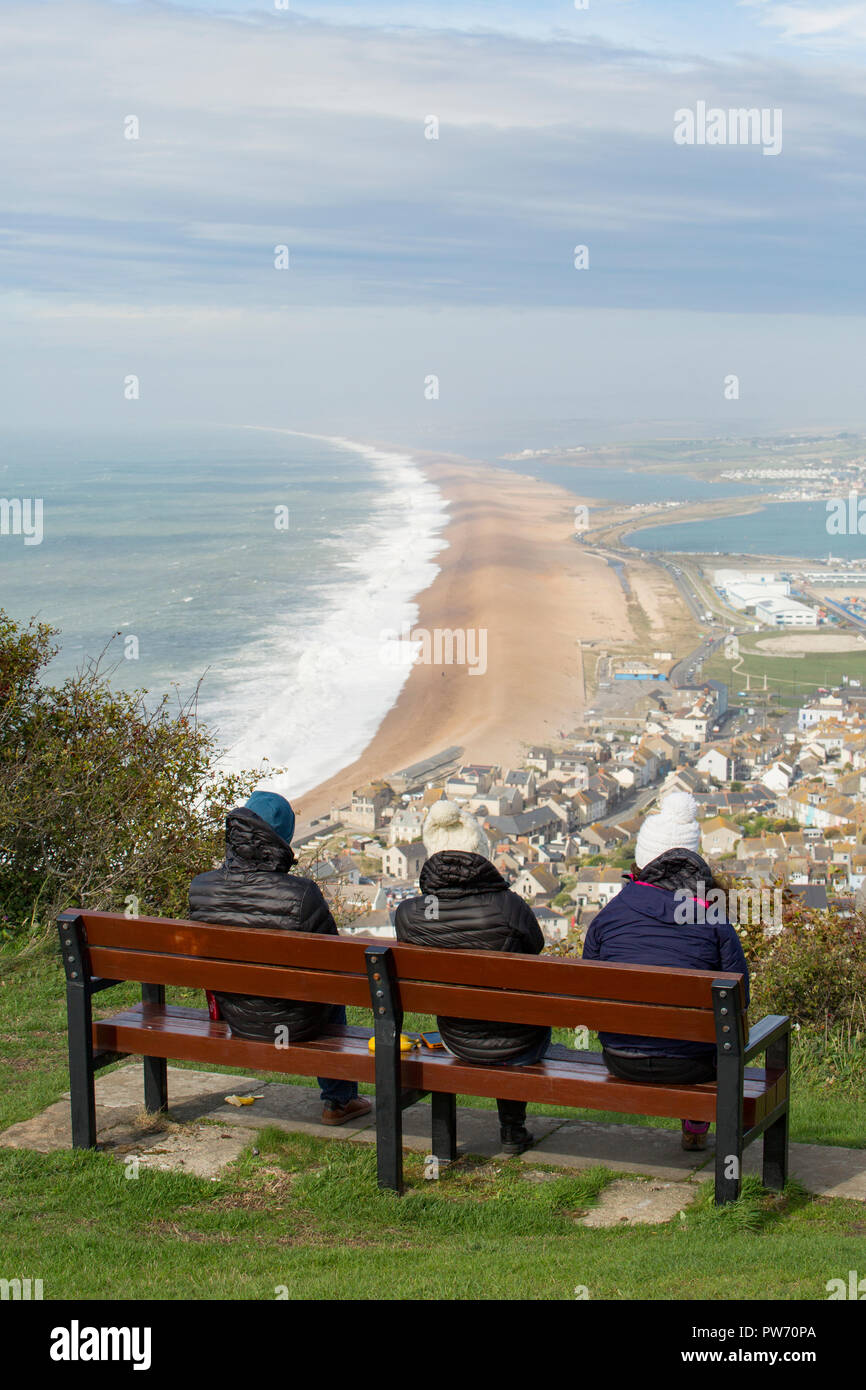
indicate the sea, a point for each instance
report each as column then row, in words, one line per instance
column 796, row 529
column 258, row 566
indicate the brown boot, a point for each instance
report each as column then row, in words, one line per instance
column 694, row 1135
column 343, row 1113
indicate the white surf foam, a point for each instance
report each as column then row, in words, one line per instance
column 310, row 697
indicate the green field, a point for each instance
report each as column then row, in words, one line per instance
column 792, row 678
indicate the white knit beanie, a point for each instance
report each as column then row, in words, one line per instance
column 448, row 826
column 675, row 827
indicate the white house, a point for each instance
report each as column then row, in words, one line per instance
column 403, row 861
column 778, row 777
column 596, row 886
column 716, row 764
column 536, row 882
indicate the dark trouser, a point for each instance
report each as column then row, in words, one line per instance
column 336, row 1094
column 677, row 1071
column 513, row 1112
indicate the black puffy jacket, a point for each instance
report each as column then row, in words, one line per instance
column 466, row 905
column 254, row 888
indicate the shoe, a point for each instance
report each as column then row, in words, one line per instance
column 515, row 1139
column 340, row 1114
column 693, row 1138
column 694, row 1141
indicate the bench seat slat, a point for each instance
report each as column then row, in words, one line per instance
column 646, row 984
column 567, row 1078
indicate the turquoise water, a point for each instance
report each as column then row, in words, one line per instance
column 797, row 529
column 638, row 485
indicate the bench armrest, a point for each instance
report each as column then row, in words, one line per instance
column 766, row 1032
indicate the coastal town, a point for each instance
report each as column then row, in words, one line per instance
column 780, row 798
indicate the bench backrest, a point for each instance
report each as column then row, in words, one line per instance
column 642, row 999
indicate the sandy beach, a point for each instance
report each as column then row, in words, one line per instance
column 512, row 567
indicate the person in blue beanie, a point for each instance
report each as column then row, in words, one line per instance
column 254, row 887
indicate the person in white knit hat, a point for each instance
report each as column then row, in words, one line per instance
column 675, row 827
column 657, row 920
column 449, row 826
column 465, row 904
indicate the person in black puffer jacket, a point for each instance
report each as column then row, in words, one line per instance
column 254, row 888
column 473, row 909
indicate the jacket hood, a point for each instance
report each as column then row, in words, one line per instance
column 453, row 872
column 677, row 868
column 253, row 844
column 653, row 891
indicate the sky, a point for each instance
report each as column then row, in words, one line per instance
column 414, row 260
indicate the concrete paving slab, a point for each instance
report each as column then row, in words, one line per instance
column 624, row 1148
column 822, row 1168
column 195, row 1096
column 288, row 1107
column 191, row 1094
column 627, row 1203
column 203, row 1150
column 477, row 1130
column 51, row 1129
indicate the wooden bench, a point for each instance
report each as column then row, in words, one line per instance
column 103, row 949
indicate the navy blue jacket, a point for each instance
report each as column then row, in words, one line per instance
column 638, row 927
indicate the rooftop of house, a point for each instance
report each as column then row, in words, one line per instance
column 719, row 823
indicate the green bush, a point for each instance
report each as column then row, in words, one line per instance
column 813, row 970
column 105, row 796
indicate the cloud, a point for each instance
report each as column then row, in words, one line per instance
column 270, row 130
column 834, row 23
column 258, row 130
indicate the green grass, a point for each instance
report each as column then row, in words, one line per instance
column 305, row 1214
column 792, row 678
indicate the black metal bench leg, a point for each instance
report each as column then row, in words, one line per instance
column 775, row 1165
column 155, row 1068
column 444, row 1108
column 729, row 1092
column 82, row 1102
column 729, row 1131
column 387, row 1023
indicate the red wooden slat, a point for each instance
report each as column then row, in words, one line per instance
column 454, row 1001
column 650, row 984
column 230, row 977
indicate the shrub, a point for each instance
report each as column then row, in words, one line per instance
column 814, row 969
column 104, row 795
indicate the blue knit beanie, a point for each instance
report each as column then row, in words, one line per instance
column 276, row 810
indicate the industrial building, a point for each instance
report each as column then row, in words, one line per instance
column 786, row 612
column 743, row 589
